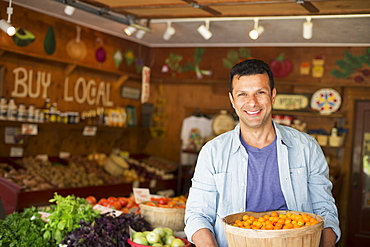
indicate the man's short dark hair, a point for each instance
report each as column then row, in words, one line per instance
column 251, row 67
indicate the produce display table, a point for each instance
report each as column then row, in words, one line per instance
column 14, row 199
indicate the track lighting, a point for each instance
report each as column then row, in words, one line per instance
column 169, row 31
column 69, row 10
column 129, row 30
column 204, row 30
column 307, row 28
column 140, row 34
column 5, row 25
column 256, row 31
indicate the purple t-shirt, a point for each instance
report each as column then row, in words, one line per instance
column 263, row 187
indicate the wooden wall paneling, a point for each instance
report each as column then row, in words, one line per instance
column 351, row 95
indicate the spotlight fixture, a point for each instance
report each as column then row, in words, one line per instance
column 5, row 25
column 169, row 31
column 256, row 31
column 69, row 10
column 204, row 30
column 140, row 34
column 129, row 30
column 307, row 28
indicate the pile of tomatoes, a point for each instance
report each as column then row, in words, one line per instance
column 124, row 204
column 275, row 221
column 165, row 202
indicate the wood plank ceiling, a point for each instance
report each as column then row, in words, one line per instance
column 164, row 9
column 230, row 20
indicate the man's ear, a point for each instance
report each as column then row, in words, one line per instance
column 231, row 99
column 273, row 96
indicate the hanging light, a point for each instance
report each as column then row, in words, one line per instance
column 129, row 30
column 256, row 31
column 204, row 30
column 140, row 34
column 69, row 10
column 307, row 28
column 5, row 25
column 169, row 31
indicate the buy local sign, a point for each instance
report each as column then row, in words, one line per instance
column 30, row 84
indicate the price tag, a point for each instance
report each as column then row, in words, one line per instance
column 141, row 194
column 135, row 184
column 104, row 210
column 89, row 131
column 16, row 152
column 29, row 129
column 43, row 157
column 64, row 155
column 153, row 183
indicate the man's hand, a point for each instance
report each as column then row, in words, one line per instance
column 328, row 238
column 204, row 238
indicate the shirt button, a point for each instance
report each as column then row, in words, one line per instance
column 243, row 159
column 242, row 184
column 241, row 209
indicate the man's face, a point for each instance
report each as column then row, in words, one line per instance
column 252, row 100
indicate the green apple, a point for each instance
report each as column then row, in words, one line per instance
column 141, row 240
column 153, row 238
column 177, row 242
column 145, row 233
column 168, row 231
column 137, row 234
column 169, row 240
column 158, row 245
column 160, row 231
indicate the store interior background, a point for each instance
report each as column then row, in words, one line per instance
column 181, row 94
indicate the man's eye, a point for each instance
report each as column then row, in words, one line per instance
column 261, row 92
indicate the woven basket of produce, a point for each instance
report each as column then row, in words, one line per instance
column 163, row 216
column 273, row 228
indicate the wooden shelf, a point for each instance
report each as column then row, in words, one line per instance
column 68, row 126
column 307, row 114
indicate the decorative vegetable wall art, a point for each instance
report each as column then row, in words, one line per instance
column 351, row 65
column 281, row 67
column 50, row 41
column 76, row 48
column 23, row 37
column 100, row 53
column 236, row 56
column 117, row 58
column 172, row 64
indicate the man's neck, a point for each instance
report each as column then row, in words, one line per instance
column 258, row 138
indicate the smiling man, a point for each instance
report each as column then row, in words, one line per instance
column 259, row 166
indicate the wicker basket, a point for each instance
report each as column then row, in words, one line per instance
column 164, row 217
column 299, row 237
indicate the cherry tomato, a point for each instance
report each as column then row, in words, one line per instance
column 91, row 200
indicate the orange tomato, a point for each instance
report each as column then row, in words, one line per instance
column 91, row 200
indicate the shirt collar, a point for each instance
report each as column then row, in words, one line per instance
column 281, row 136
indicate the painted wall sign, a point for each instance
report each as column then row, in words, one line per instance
column 30, row 84
column 291, row 102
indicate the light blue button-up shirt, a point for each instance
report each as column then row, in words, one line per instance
column 220, row 179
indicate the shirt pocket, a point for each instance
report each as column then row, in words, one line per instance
column 300, row 186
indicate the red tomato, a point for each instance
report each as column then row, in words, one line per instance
column 91, row 200
column 103, row 202
column 123, row 201
column 162, row 201
column 117, row 205
column 112, row 199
